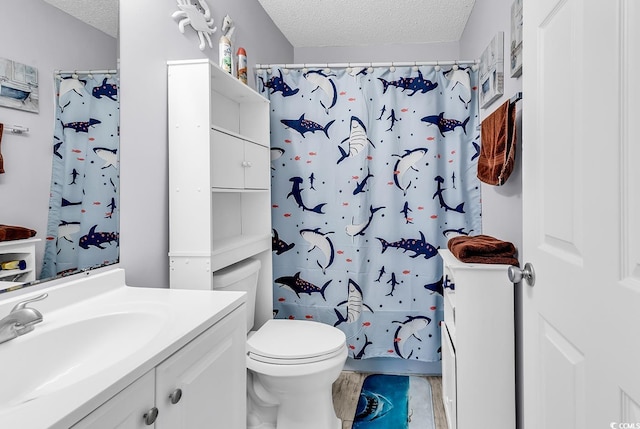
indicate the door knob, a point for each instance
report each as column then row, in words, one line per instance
column 528, row 274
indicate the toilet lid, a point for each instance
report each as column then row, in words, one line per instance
column 295, row 340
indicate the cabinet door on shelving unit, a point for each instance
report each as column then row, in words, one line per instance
column 227, row 158
column 257, row 174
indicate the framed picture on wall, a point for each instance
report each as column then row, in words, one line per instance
column 18, row 86
column 492, row 71
column 516, row 38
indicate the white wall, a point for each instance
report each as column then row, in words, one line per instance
column 37, row 34
column 501, row 205
column 149, row 37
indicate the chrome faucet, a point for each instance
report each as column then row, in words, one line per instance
column 20, row 320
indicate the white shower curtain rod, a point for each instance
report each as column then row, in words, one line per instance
column 386, row 64
column 113, row 71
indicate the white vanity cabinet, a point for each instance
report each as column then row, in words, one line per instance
column 478, row 345
column 219, row 173
column 201, row 385
column 20, row 250
column 211, row 376
column 125, row 410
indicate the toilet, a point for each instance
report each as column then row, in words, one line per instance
column 291, row 364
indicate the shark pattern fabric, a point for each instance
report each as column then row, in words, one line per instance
column 82, row 230
column 372, row 171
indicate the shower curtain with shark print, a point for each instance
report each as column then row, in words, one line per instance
column 82, row 230
column 373, row 169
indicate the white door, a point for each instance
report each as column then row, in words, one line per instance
column 581, row 200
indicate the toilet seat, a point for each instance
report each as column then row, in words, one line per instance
column 294, row 342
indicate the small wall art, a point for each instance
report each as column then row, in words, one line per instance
column 492, row 71
column 516, row 38
column 18, row 86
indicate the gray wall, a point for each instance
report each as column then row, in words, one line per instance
column 49, row 40
column 385, row 53
column 149, row 37
column 501, row 205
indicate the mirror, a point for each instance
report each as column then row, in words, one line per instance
column 57, row 39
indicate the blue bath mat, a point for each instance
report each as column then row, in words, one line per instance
column 394, row 402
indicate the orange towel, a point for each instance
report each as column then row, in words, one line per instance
column 9, row 232
column 498, row 145
column 483, row 249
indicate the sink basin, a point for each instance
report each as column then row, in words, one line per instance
column 63, row 350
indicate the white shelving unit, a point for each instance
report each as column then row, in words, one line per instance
column 219, row 174
column 18, row 250
column 478, row 345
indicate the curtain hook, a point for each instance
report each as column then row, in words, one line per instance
column 437, row 67
column 304, row 69
column 392, row 68
column 349, row 69
column 75, row 74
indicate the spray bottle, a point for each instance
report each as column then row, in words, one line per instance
column 225, row 51
column 242, row 65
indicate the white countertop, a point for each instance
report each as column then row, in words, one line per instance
column 184, row 314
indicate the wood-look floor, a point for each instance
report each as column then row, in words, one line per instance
column 346, row 391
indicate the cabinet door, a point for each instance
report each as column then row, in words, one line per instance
column 126, row 409
column 257, row 163
column 210, row 372
column 448, row 378
column 227, row 161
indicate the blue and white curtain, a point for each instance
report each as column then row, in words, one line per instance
column 82, row 230
column 372, row 171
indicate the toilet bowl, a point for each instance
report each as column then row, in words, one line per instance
column 291, row 364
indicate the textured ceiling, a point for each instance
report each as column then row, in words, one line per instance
column 101, row 14
column 308, row 23
column 316, row 23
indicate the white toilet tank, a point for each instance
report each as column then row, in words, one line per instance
column 241, row 276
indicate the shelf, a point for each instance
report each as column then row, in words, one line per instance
column 18, row 250
column 232, row 250
column 229, row 250
column 218, row 141
column 9, row 286
column 239, row 136
column 237, row 190
column 225, row 84
column 10, row 273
